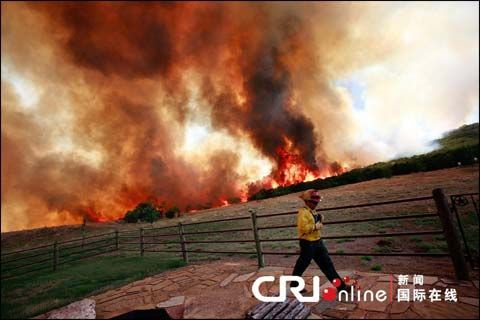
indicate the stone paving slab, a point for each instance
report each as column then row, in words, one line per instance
column 83, row 309
column 470, row 301
column 399, row 307
column 243, row 277
column 172, row 302
column 228, row 280
column 222, row 289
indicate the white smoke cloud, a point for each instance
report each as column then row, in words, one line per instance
column 426, row 84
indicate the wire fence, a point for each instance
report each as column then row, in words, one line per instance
column 248, row 233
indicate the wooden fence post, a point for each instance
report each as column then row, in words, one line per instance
column 475, row 206
column 83, row 237
column 141, row 242
column 451, row 235
column 84, row 224
column 182, row 242
column 55, row 255
column 261, row 262
column 116, row 240
column 454, row 210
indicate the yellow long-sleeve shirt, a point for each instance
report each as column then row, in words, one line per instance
column 306, row 224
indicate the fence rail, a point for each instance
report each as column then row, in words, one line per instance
column 60, row 254
column 27, row 257
column 396, row 254
column 367, row 235
column 372, row 204
column 416, row 216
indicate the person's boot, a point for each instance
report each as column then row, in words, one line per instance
column 345, row 287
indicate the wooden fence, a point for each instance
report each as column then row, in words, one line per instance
column 58, row 253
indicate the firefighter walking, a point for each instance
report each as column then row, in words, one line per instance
column 309, row 225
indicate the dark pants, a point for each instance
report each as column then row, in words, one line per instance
column 317, row 251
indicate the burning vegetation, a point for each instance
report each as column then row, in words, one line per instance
column 141, row 75
column 108, row 105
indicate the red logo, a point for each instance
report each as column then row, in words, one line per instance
column 330, row 293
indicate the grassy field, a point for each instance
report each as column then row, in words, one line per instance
column 36, row 293
column 72, row 281
column 456, row 180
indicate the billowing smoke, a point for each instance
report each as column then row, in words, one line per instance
column 106, row 104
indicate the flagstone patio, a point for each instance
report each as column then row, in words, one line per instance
column 222, row 289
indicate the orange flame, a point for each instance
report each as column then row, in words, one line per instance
column 225, row 203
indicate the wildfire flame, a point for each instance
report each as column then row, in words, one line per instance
column 225, row 203
column 91, row 215
column 292, row 169
column 202, row 104
column 153, row 116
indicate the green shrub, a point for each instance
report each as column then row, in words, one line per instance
column 131, row 216
column 144, row 211
column 151, row 216
column 172, row 212
column 376, row 267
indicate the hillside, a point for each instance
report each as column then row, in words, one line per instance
column 346, row 189
column 459, row 146
column 466, row 135
column 454, row 180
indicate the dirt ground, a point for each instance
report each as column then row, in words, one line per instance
column 455, row 180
